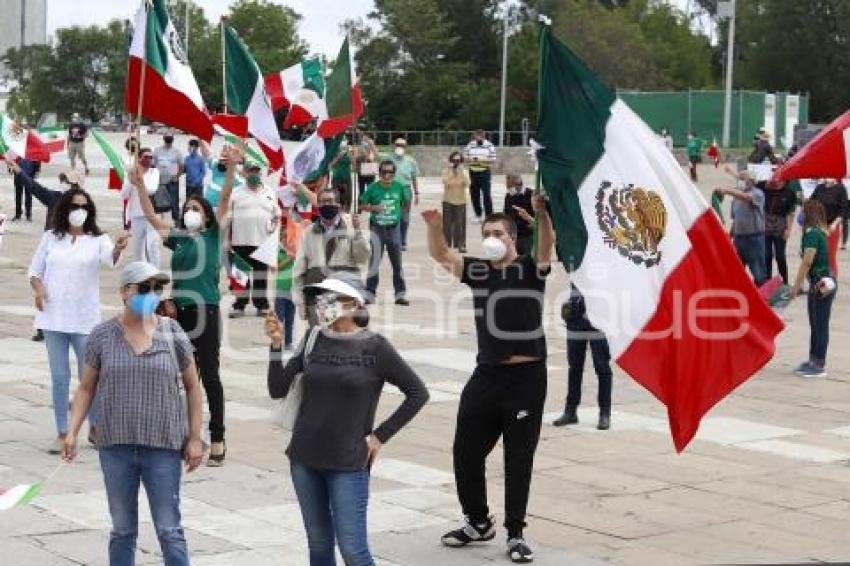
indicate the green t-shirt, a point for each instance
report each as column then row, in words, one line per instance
column 694, row 147
column 195, row 266
column 815, row 238
column 393, row 198
column 342, row 169
column 284, row 271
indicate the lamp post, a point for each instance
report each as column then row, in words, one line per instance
column 508, row 18
column 728, row 9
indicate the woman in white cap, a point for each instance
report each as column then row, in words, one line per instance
column 334, row 441
column 136, row 362
column 196, row 268
column 65, row 278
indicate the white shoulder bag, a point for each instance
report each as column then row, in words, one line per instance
column 287, row 409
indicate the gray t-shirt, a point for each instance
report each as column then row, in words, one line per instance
column 748, row 217
column 138, row 395
column 168, row 160
column 342, row 384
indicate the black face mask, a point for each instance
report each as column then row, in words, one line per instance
column 361, row 317
column 168, row 139
column 328, row 211
column 480, row 142
column 222, row 167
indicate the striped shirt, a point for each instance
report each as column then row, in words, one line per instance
column 479, row 157
column 138, row 395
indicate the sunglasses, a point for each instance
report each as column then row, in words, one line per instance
column 75, row 206
column 149, row 287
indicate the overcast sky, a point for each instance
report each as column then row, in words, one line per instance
column 319, row 27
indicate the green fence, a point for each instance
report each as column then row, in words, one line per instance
column 701, row 111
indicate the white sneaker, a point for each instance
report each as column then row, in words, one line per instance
column 476, row 220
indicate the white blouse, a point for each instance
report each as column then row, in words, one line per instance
column 69, row 267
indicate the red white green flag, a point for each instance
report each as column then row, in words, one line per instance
column 246, row 95
column 343, row 96
column 301, row 90
column 171, row 95
column 17, row 141
column 54, row 137
column 116, row 164
column 240, row 272
column 658, row 273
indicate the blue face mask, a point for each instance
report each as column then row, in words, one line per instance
column 143, row 305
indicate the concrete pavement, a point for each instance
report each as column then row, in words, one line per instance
column 766, row 480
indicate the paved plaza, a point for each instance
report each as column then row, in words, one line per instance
column 765, row 481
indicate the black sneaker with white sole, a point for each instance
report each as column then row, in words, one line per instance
column 470, row 532
column 519, row 551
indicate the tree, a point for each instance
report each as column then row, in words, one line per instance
column 270, row 31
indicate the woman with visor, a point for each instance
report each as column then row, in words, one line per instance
column 334, row 441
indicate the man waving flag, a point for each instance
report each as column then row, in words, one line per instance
column 246, row 94
column 160, row 74
column 658, row 274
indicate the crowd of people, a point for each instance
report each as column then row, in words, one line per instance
column 142, row 372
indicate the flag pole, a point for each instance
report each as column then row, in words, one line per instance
column 140, row 103
column 544, row 23
column 223, row 65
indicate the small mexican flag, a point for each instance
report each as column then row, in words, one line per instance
column 240, row 272
column 171, row 95
column 54, row 137
column 19, row 495
column 17, row 141
column 116, row 165
column 300, row 89
column 310, row 160
column 246, row 94
column 343, row 95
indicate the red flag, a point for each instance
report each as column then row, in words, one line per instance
column 236, row 124
column 826, row 155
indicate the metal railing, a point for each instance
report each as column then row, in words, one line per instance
column 454, row 138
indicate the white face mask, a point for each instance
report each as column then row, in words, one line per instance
column 328, row 311
column 494, row 248
column 192, row 219
column 399, row 151
column 78, row 217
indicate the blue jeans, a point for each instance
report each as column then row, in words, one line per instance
column 284, row 308
column 58, row 351
column 333, row 506
column 173, row 188
column 820, row 309
column 750, row 249
column 388, row 237
column 124, row 467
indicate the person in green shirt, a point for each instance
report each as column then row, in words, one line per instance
column 694, row 150
column 195, row 267
column 340, row 167
column 815, row 267
column 284, row 307
column 385, row 200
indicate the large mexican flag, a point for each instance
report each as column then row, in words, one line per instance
column 343, row 96
column 246, row 94
column 659, row 275
column 171, row 95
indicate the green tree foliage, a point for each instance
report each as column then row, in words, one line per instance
column 445, row 56
column 801, row 46
column 85, row 69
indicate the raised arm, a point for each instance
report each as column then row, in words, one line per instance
column 232, row 155
column 137, row 179
column 545, row 232
column 279, row 378
column 437, row 246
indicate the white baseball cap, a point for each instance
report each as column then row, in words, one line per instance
column 350, row 287
column 141, row 271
